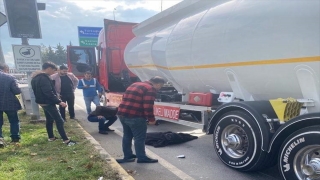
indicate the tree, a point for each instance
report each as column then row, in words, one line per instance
column 60, row 55
column 49, row 55
column 57, row 55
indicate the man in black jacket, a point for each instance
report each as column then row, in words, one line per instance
column 47, row 98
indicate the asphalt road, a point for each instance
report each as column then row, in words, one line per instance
column 200, row 160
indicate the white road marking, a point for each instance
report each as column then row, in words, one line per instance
column 78, row 106
column 180, row 174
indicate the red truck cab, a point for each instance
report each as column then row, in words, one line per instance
column 107, row 63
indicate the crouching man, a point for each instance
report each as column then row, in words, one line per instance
column 106, row 116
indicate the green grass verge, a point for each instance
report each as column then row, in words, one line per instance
column 34, row 158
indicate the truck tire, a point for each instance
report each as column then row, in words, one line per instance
column 299, row 156
column 237, row 142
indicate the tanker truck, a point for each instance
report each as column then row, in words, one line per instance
column 247, row 72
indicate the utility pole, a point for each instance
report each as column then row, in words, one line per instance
column 3, row 20
column 34, row 105
column 161, row 5
column 2, row 60
column 114, row 16
column 23, row 22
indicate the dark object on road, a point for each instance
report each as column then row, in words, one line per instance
column 161, row 139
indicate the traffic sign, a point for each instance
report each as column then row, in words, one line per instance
column 3, row 19
column 88, row 36
column 88, row 41
column 27, row 57
column 89, row 31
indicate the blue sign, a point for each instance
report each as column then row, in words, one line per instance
column 89, row 31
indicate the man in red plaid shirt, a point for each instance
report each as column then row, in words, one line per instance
column 134, row 111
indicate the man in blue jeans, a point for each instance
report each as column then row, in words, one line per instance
column 134, row 111
column 47, row 98
column 9, row 104
column 90, row 86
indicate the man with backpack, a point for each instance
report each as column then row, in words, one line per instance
column 90, row 86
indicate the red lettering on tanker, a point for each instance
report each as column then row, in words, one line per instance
column 166, row 112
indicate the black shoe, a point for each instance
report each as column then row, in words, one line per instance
column 148, row 160
column 103, row 132
column 14, row 140
column 71, row 143
column 125, row 160
column 109, row 129
column 133, row 156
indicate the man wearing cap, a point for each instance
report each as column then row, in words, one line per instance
column 90, row 86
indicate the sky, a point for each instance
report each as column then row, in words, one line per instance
column 61, row 18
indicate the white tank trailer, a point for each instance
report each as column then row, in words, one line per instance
column 250, row 52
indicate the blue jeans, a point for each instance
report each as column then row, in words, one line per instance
column 134, row 128
column 14, row 124
column 102, row 125
column 52, row 114
column 88, row 100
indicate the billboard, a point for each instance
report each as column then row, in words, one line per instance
column 88, row 36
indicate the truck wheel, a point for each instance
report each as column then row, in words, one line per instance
column 237, row 141
column 299, row 156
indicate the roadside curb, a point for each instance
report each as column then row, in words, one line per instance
column 105, row 155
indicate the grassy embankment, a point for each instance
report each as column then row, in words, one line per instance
column 34, row 158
